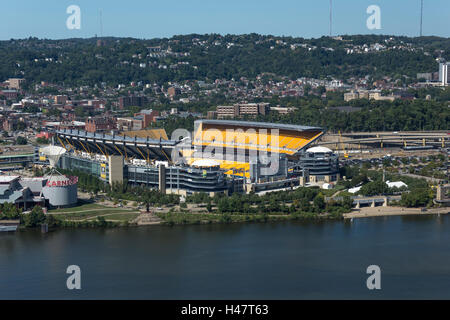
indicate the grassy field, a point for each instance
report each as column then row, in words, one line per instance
column 83, row 207
column 122, row 216
column 90, row 211
column 330, row 192
column 95, row 213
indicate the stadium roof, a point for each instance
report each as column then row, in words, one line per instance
column 319, row 150
column 205, row 163
column 151, row 133
column 106, row 144
column 267, row 125
column 117, row 138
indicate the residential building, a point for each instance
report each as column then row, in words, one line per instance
column 253, row 108
column 60, row 99
column 242, row 109
column 173, row 91
column 99, row 124
column 132, row 101
column 227, row 112
column 9, row 94
column 15, row 83
column 148, row 116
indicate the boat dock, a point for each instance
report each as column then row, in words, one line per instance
column 9, row 225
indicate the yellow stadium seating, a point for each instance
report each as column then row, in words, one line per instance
column 250, row 138
column 151, row 133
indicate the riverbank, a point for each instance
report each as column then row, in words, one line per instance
column 186, row 218
column 190, row 214
column 108, row 215
column 392, row 211
column 99, row 217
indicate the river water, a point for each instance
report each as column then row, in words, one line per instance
column 286, row 260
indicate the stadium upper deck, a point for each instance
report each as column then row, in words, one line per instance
column 259, row 136
column 129, row 147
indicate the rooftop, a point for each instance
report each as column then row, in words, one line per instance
column 8, row 179
column 205, row 163
column 319, row 150
column 267, row 125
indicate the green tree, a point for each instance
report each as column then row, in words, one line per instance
column 319, row 202
column 9, row 211
column 147, row 200
column 373, row 188
column 52, row 221
column 417, row 197
column 20, row 126
column 101, row 222
column 35, row 218
column 21, row 140
column 305, row 206
column 79, row 111
column 42, row 140
column 347, row 203
column 223, row 205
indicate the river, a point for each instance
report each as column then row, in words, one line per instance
column 283, row 260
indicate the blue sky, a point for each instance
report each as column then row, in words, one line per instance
column 150, row 19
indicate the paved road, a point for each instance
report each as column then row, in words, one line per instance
column 392, row 211
column 429, row 179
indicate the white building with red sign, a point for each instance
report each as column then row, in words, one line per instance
column 55, row 190
column 60, row 190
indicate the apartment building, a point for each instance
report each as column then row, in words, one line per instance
column 99, row 124
column 242, row 109
column 132, row 101
column 15, row 83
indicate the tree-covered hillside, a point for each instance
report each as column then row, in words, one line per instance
column 200, row 57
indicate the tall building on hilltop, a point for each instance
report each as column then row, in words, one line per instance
column 15, row 83
column 444, row 73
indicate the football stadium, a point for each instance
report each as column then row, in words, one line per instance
column 218, row 156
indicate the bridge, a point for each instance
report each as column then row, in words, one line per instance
column 386, row 139
column 359, row 201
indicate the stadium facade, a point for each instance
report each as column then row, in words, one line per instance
column 178, row 179
column 219, row 156
column 319, row 164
